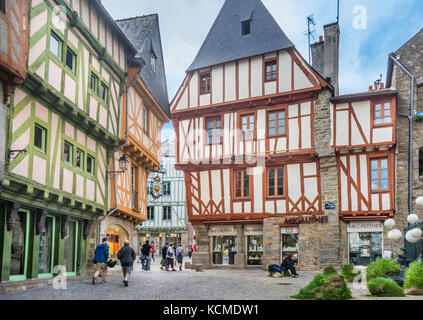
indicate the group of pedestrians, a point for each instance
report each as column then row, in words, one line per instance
column 127, row 257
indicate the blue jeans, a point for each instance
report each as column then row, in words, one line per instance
column 145, row 260
column 180, row 259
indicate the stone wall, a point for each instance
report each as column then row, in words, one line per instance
column 272, row 241
column 202, row 255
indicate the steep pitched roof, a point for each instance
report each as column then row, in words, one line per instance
column 144, row 34
column 225, row 41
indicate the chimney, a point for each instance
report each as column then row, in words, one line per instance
column 325, row 55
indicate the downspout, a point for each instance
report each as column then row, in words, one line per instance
column 120, row 148
column 410, row 137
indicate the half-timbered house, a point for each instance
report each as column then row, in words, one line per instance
column 66, row 118
column 146, row 110
column 245, row 120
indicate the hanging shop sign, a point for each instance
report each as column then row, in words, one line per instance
column 222, row 231
column 307, row 220
column 368, row 226
column 253, row 230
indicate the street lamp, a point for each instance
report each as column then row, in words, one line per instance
column 123, row 165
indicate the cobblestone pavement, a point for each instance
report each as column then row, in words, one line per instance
column 156, row 284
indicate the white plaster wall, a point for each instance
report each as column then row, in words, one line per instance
column 230, row 81
column 217, row 84
column 256, row 76
column 285, row 71
column 244, row 80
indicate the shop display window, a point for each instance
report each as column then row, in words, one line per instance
column 224, row 250
column 364, row 247
column 19, row 247
column 290, row 246
column 254, row 250
column 45, row 253
column 70, row 251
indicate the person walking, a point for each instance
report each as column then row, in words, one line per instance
column 145, row 255
column 180, row 256
column 127, row 256
column 190, row 250
column 152, row 251
column 101, row 255
column 170, row 257
column 164, row 256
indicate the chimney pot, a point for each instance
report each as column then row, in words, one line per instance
column 376, row 87
column 370, row 88
column 320, row 38
column 382, row 85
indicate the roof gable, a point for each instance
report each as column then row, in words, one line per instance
column 225, row 42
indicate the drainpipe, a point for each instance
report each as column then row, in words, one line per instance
column 120, row 148
column 410, row 138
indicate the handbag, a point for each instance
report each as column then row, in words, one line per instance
column 111, row 263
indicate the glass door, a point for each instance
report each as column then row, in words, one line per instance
column 46, row 249
column 290, row 246
column 19, row 247
column 71, row 249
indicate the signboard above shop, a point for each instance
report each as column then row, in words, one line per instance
column 365, row 226
column 253, row 229
column 223, row 230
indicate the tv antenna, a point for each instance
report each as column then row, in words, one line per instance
column 311, row 34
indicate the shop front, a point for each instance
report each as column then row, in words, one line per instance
column 254, row 244
column 116, row 236
column 289, row 242
column 365, row 242
column 224, row 244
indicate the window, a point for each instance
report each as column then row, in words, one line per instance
column 104, row 90
column 3, row 6
column 167, row 211
column 166, row 188
column 80, row 159
column 150, row 213
column 94, row 83
column 276, row 123
column 90, row 165
column 246, row 27
column 242, row 184
column 40, row 135
column 214, row 131
column 270, row 70
column 379, row 174
column 275, row 182
column 67, row 153
column 71, row 60
column 247, row 127
column 145, row 120
column 56, row 46
column 205, row 83
column 382, row 113
column 420, row 98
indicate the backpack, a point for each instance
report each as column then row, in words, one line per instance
column 146, row 250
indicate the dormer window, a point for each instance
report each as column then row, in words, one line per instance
column 246, row 27
column 205, row 83
column 153, row 61
column 3, row 6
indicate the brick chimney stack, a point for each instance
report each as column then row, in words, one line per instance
column 325, row 55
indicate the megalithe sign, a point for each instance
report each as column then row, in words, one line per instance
column 307, row 220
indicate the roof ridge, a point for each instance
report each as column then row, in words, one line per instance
column 138, row 17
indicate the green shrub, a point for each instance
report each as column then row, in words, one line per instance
column 329, row 270
column 414, row 275
column 325, row 287
column 384, row 287
column 382, row 268
column 336, row 294
column 348, row 272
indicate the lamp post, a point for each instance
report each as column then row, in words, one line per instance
column 123, row 165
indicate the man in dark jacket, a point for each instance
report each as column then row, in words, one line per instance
column 145, row 255
column 127, row 256
column 164, row 256
column 101, row 255
column 289, row 264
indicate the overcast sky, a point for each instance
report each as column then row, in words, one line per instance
column 370, row 30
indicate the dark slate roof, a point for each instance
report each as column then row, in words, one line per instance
column 144, row 34
column 225, row 42
column 363, row 95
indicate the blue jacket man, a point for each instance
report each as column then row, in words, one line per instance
column 101, row 255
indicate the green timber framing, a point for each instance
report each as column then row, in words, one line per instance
column 39, row 200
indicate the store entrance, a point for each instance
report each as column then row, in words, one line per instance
column 364, row 247
column 116, row 236
column 224, row 250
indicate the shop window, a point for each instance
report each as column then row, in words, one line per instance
column 364, row 247
column 104, row 91
column 242, row 184
column 254, row 250
column 68, row 153
column 19, row 247
column 167, row 213
column 205, row 83
column 94, row 83
column 224, row 250
column 420, row 98
column 71, row 248
column 40, row 135
column 382, row 113
column 46, row 248
column 3, row 6
column 270, row 70
column 379, row 174
column 214, row 130
column 276, row 123
column 145, row 120
column 246, row 27
column 150, row 213
column 275, row 182
column 90, row 164
column 71, row 60
column 166, row 188
column 56, row 45
column 290, row 245
column 80, row 159
column 247, row 127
